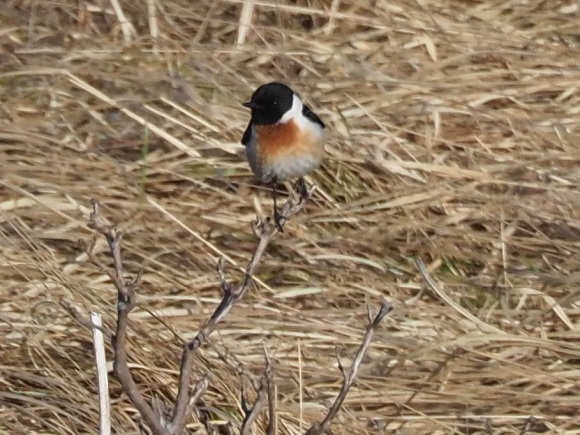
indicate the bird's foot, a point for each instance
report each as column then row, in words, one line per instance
column 279, row 219
column 302, row 188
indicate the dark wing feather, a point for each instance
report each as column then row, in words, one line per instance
column 247, row 135
column 312, row 116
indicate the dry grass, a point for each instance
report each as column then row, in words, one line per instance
column 455, row 132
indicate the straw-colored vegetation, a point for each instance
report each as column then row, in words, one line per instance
column 454, row 132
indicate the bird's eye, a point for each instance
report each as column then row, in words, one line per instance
column 275, row 103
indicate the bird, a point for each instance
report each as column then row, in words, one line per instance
column 284, row 139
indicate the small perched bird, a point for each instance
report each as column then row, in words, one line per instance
column 284, row 138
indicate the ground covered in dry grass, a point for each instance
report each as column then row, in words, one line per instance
column 454, row 132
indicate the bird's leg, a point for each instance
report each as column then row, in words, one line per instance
column 302, row 189
column 277, row 215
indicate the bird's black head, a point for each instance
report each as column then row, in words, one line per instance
column 270, row 102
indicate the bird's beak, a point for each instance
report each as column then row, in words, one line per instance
column 251, row 105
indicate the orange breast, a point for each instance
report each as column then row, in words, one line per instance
column 280, row 140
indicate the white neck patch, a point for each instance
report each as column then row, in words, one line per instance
column 294, row 112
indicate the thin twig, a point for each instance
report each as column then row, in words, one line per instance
column 75, row 313
column 351, row 373
column 103, row 380
column 198, row 391
column 264, row 394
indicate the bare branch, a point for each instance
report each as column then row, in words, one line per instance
column 251, row 414
column 265, row 393
column 198, row 391
column 186, row 401
column 126, row 299
column 265, row 231
column 159, row 408
column 340, row 366
column 351, row 373
column 225, row 285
